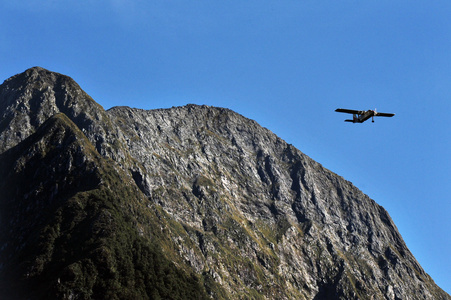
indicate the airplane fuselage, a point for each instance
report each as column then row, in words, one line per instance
column 363, row 117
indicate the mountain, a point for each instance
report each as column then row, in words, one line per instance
column 191, row 202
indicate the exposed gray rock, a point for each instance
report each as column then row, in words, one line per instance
column 236, row 182
column 242, row 208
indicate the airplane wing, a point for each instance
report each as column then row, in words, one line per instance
column 384, row 115
column 349, row 111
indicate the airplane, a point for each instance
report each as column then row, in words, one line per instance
column 360, row 116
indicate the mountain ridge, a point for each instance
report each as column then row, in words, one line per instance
column 250, row 215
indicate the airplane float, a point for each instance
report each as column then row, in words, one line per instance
column 360, row 116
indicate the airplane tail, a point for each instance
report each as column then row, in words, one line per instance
column 352, row 121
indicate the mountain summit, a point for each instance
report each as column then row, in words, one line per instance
column 192, row 202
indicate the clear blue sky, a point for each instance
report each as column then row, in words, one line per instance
column 286, row 64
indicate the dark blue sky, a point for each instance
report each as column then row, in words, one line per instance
column 286, row 64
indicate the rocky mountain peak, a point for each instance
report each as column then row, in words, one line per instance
column 32, row 82
column 30, row 98
column 34, row 75
column 201, row 196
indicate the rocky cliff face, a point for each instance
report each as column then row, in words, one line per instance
column 187, row 202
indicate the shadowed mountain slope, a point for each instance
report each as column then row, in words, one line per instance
column 188, row 202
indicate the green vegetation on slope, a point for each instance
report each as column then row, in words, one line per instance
column 80, row 241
